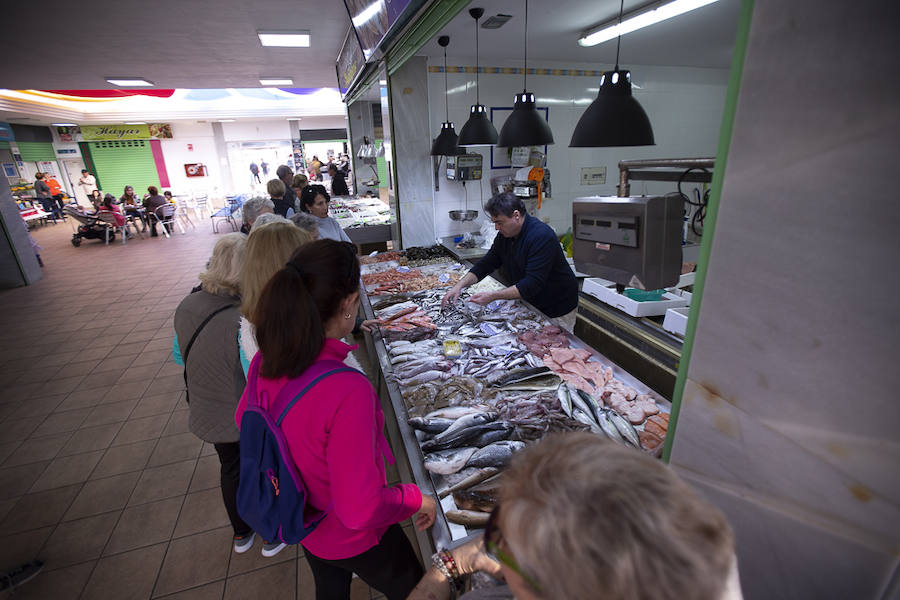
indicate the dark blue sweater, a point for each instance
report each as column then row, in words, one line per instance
column 534, row 262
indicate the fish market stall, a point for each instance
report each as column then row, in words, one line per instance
column 365, row 220
column 466, row 387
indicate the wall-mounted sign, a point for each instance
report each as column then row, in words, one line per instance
column 593, row 175
column 69, row 134
column 6, row 133
column 66, row 151
column 150, row 131
column 9, row 170
column 195, row 170
column 350, row 62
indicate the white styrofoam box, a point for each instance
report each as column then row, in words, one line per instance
column 607, row 293
column 676, row 320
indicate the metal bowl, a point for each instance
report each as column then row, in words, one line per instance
column 463, row 215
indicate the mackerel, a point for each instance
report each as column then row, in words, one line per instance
column 466, row 421
column 476, row 435
column 583, row 417
column 562, row 392
column 629, row 433
column 610, row 430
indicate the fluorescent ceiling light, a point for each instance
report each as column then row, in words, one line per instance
column 382, row 82
column 367, row 13
column 225, row 120
column 285, row 39
column 295, row 118
column 129, row 81
column 135, row 122
column 64, row 124
column 276, row 81
column 661, row 12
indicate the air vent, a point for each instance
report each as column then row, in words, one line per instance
column 496, row 22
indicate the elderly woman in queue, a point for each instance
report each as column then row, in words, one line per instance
column 334, row 432
column 269, row 246
column 300, row 181
column 306, row 222
column 206, row 343
column 581, row 518
column 314, row 201
column 251, row 209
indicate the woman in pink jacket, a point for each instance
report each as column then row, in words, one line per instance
column 334, row 432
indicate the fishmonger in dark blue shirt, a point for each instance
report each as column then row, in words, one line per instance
column 527, row 252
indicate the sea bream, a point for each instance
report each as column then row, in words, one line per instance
column 466, row 421
column 476, row 435
column 497, row 454
column 444, row 462
column 432, row 426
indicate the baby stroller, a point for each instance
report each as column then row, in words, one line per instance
column 90, row 228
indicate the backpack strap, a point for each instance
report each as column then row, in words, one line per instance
column 295, row 389
column 187, row 349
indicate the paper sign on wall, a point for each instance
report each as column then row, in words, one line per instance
column 593, row 175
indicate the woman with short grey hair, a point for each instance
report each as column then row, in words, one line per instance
column 252, row 208
column 206, row 344
column 306, row 222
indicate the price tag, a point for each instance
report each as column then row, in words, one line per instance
column 444, row 278
column 403, row 269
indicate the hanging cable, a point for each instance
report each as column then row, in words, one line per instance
column 477, row 87
column 446, row 104
column 619, row 38
column 525, row 87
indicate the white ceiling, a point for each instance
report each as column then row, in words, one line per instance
column 701, row 38
column 61, row 44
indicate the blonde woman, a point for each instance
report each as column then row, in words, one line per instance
column 269, row 247
column 206, row 331
column 580, row 518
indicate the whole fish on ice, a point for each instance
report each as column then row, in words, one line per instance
column 444, row 462
column 497, row 454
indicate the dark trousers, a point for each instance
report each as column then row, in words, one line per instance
column 391, row 567
column 230, row 458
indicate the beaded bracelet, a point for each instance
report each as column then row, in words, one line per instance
column 438, row 563
column 451, row 565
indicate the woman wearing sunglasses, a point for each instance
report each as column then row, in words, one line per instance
column 581, row 518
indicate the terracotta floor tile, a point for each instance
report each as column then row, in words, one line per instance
column 142, row 567
column 61, row 422
column 202, row 511
column 176, row 448
column 16, row 481
column 19, row 548
column 37, row 449
column 124, row 459
column 278, row 582
column 156, row 404
column 211, row 591
column 103, row 495
column 178, row 423
column 39, row 510
column 74, row 542
column 195, row 560
column 144, row 525
column 163, row 482
column 145, row 428
column 88, row 439
column 114, row 412
column 206, row 474
column 59, row 584
column 67, row 470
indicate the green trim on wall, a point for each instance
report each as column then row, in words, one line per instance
column 426, row 27
column 370, row 79
column 4, row 145
column 712, row 210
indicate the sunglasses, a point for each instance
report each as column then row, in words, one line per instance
column 492, row 539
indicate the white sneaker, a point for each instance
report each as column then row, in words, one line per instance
column 271, row 549
column 242, row 543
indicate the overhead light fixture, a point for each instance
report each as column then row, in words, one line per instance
column 646, row 17
column 382, row 82
column 478, row 130
column 295, row 118
column 445, row 143
column 225, row 120
column 284, row 39
column 273, row 81
column 129, row 81
column 135, row 123
column 367, row 149
column 525, row 126
column 615, row 118
column 64, row 124
column 367, row 13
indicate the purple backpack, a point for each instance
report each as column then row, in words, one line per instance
column 271, row 495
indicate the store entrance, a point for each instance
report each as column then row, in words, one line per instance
column 266, row 155
column 71, row 168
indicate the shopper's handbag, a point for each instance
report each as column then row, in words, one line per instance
column 271, row 496
column 187, row 349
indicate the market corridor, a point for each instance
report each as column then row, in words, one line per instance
column 99, row 476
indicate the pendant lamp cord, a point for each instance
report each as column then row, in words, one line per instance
column 477, row 87
column 525, row 87
column 618, row 39
column 446, row 106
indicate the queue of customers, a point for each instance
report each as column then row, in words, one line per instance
column 578, row 517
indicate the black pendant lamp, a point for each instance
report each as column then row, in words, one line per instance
column 615, row 118
column 478, row 130
column 525, row 126
column 445, row 143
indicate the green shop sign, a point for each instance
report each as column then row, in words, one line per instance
column 96, row 133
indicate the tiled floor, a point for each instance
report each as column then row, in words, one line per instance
column 99, row 475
